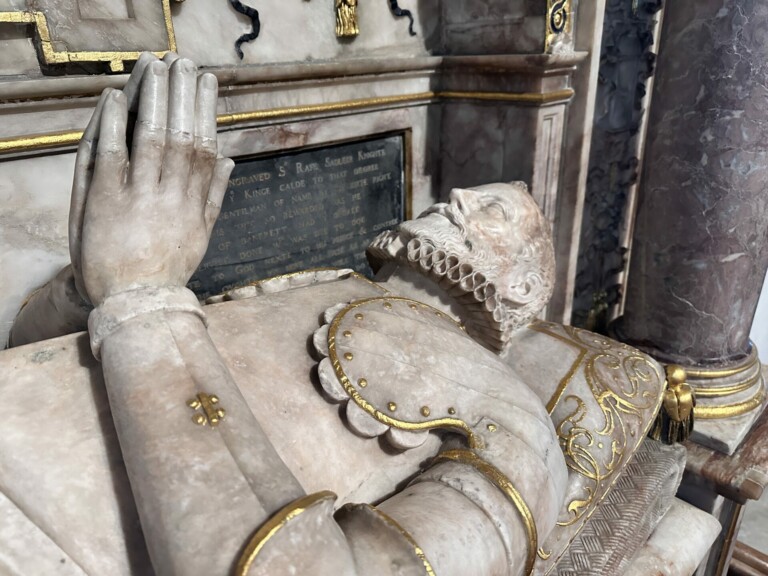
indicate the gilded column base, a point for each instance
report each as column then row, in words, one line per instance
column 728, row 401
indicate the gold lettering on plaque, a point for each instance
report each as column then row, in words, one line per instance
column 346, row 19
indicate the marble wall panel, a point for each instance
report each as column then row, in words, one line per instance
column 18, row 54
column 34, row 206
column 12, row 5
column 299, row 31
column 290, row 32
column 464, row 165
column 26, row 119
column 493, row 26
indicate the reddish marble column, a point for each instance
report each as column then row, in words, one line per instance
column 700, row 248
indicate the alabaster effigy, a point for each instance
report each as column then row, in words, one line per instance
column 317, row 422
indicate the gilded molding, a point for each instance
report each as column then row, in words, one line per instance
column 115, row 59
column 453, row 424
column 41, row 142
column 428, row 570
column 70, row 138
column 721, row 391
column 274, row 525
column 500, row 480
column 521, row 97
column 730, row 410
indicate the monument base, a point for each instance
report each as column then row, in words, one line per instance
column 728, row 402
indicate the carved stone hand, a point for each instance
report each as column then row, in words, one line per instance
column 144, row 219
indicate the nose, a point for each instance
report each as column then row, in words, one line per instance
column 460, row 199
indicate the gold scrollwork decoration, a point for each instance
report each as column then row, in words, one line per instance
column 623, row 383
column 558, row 21
column 115, row 59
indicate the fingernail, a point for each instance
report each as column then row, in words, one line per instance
column 185, row 65
column 209, row 81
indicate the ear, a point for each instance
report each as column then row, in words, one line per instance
column 526, row 291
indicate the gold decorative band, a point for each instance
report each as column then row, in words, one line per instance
column 712, row 374
column 407, row 535
column 498, row 478
column 70, row 138
column 520, row 97
column 720, row 391
column 275, row 524
column 31, row 143
column 730, row 410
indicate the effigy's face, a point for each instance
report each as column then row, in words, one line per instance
column 480, row 226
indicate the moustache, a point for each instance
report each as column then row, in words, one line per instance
column 448, row 212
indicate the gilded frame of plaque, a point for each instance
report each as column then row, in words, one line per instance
column 47, row 39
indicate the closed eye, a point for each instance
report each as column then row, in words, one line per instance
column 498, row 209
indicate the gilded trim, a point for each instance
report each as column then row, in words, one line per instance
column 31, row 143
column 407, row 535
column 707, row 374
column 70, row 138
column 345, row 105
column 116, row 60
column 500, row 480
column 274, row 525
column 522, row 97
column 454, row 424
column 730, row 410
column 720, row 391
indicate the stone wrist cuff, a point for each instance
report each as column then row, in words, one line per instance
column 118, row 309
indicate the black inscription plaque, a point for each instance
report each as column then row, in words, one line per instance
column 301, row 210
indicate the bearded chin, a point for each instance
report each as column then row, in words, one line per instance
column 438, row 232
